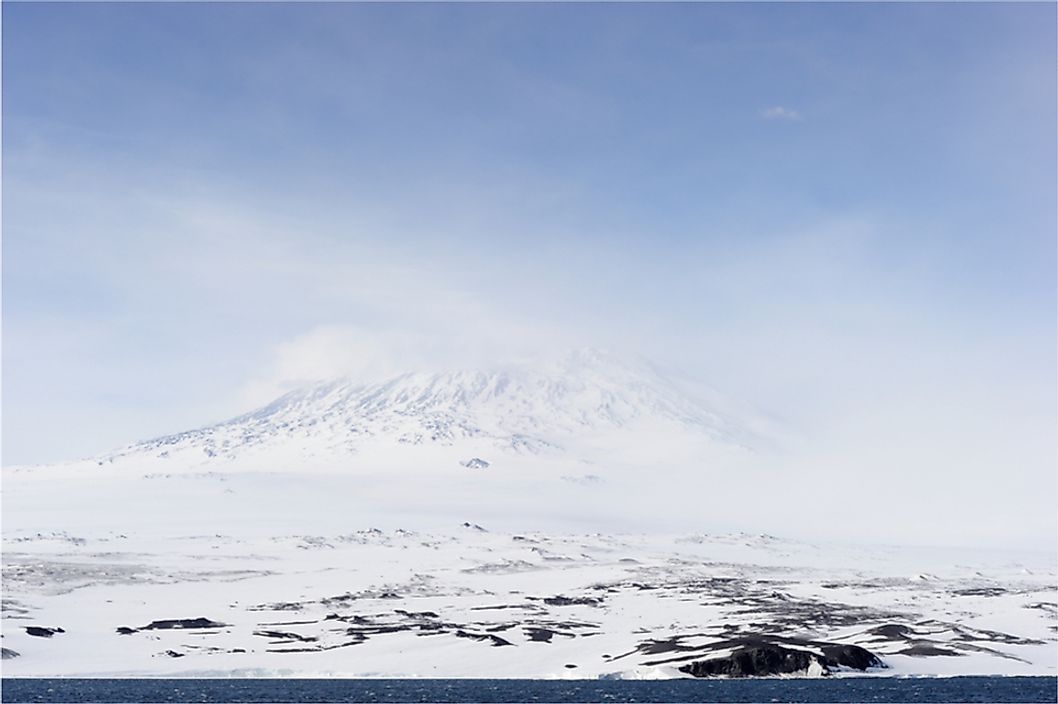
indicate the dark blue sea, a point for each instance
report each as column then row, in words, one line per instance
column 956, row 689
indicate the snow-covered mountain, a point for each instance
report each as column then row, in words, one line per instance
column 537, row 520
column 553, row 408
column 584, row 441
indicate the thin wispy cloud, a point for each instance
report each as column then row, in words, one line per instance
column 779, row 112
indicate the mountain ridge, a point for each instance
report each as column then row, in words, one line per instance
column 526, row 408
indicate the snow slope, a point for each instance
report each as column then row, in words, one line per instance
column 587, row 441
column 473, row 603
column 539, row 520
column 583, row 399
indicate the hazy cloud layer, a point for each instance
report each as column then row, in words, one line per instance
column 362, row 189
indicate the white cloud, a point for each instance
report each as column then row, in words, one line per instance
column 778, row 112
column 346, row 351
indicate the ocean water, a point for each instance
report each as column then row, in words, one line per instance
column 955, row 689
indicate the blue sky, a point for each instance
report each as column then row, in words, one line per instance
column 842, row 213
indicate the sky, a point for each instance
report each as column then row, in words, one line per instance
column 843, row 215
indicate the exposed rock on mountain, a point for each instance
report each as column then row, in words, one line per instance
column 519, row 409
column 754, row 657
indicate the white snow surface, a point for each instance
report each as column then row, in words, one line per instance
column 340, row 531
column 372, row 603
column 582, row 400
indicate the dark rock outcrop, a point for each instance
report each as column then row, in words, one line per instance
column 927, row 649
column 892, row 631
column 42, row 632
column 755, row 657
column 286, row 636
column 167, row 624
column 754, row 661
column 980, row 591
column 851, row 656
column 492, row 639
column 417, row 614
column 571, row 601
column 7, row 654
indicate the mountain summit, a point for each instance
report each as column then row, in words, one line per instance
column 551, row 408
column 585, row 441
